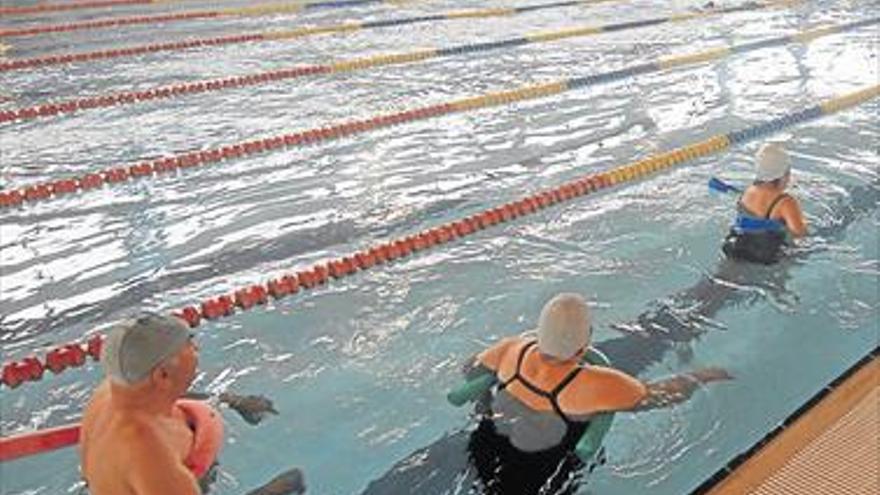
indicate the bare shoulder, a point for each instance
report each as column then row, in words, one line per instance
column 95, row 414
column 508, row 342
column 99, row 398
column 491, row 357
column 789, row 202
column 598, row 388
column 138, row 432
column 604, row 376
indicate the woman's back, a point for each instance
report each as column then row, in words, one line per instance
column 766, row 215
column 763, row 202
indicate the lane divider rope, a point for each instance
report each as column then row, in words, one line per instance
column 43, row 8
column 46, row 110
column 74, row 354
column 62, row 7
column 167, row 165
column 250, row 11
column 278, row 35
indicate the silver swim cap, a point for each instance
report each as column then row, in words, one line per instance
column 134, row 347
column 771, row 162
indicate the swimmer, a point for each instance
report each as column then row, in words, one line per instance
column 674, row 322
column 135, row 437
column 547, row 395
column 766, row 214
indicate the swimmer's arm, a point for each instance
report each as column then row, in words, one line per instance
column 157, row 470
column 677, row 389
column 608, row 390
column 252, row 408
column 791, row 212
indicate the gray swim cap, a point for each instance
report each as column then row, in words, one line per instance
column 134, row 347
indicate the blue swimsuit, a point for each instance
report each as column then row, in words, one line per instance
column 756, row 239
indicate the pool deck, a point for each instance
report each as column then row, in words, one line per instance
column 830, row 446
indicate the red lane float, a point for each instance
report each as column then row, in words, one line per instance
column 38, row 442
column 57, row 360
column 109, row 22
column 167, row 165
column 170, row 91
column 25, row 63
column 73, row 355
column 59, row 7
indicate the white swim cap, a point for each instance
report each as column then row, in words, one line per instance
column 564, row 327
column 771, row 162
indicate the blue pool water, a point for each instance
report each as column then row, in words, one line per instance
column 359, row 369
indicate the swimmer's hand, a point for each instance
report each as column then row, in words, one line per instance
column 707, row 375
column 197, row 395
column 472, row 368
column 289, row 482
column 252, row 408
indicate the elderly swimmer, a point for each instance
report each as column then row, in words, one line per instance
column 546, row 394
column 766, row 214
column 138, row 436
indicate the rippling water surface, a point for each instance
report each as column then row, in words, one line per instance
column 359, row 369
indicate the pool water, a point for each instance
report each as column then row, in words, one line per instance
column 359, row 369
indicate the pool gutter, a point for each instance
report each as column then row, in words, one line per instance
column 822, row 439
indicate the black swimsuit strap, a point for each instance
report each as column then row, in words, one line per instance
column 565, row 381
column 774, row 203
column 519, row 362
column 553, row 395
column 522, row 354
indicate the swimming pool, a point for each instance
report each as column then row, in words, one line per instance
column 359, row 368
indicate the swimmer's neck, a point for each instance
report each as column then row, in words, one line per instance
column 143, row 399
column 577, row 358
column 771, row 186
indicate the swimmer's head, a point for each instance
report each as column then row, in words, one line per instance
column 135, row 348
column 771, row 163
column 564, row 326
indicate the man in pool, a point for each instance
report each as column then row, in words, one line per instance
column 135, row 437
column 765, row 213
column 547, row 395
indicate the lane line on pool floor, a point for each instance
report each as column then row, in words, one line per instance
column 248, row 11
column 163, row 166
column 285, row 34
column 73, row 355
